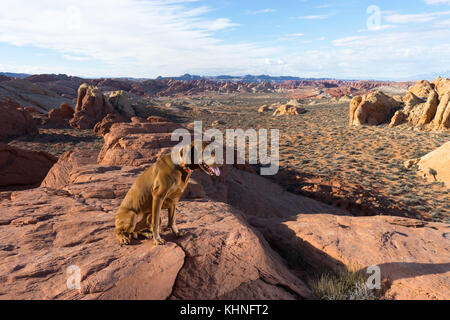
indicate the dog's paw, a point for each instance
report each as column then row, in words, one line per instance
column 159, row 242
column 124, row 241
column 180, row 233
column 146, row 234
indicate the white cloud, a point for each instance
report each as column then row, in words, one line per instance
column 436, row 1
column 414, row 18
column 267, row 10
column 296, row 34
column 142, row 38
column 315, row 17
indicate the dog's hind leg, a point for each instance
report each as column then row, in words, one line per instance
column 126, row 220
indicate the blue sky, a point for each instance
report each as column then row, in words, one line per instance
column 347, row 39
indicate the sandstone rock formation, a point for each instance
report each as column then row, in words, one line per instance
column 442, row 117
column 101, row 128
column 426, row 105
column 287, row 109
column 263, row 108
column 154, row 119
column 398, row 118
column 136, row 143
column 414, row 256
column 57, row 116
column 442, row 86
column 422, row 89
column 92, row 106
column 121, row 101
column 23, row 168
column 71, row 218
column 373, row 109
column 434, row 166
column 15, row 121
column 27, row 93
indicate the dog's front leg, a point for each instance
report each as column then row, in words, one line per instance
column 172, row 221
column 156, row 220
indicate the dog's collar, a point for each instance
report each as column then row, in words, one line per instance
column 183, row 165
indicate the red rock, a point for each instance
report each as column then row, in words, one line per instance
column 413, row 255
column 23, row 168
column 66, row 110
column 72, row 221
column 154, row 119
column 101, row 128
column 137, row 143
column 92, row 106
column 15, row 121
column 373, row 109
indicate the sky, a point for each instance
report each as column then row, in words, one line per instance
column 345, row 39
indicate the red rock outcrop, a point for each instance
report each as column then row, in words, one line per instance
column 71, row 219
column 92, row 106
column 413, row 256
column 136, row 143
column 23, row 168
column 15, row 121
column 103, row 127
column 427, row 105
column 422, row 89
column 442, row 86
column 287, row 109
column 434, row 166
column 27, row 93
column 373, row 109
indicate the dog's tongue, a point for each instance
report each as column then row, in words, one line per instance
column 216, row 171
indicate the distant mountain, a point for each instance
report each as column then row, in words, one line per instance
column 14, row 75
column 247, row 78
column 431, row 76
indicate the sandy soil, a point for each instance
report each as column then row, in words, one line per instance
column 358, row 168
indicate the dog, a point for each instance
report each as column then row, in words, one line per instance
column 159, row 187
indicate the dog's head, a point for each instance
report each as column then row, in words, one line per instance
column 204, row 160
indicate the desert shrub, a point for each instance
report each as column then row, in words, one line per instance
column 345, row 285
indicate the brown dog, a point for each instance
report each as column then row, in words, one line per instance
column 159, row 187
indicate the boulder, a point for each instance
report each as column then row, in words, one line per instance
column 422, row 113
column 287, row 109
column 101, row 128
column 442, row 86
column 413, row 256
column 435, row 166
column 19, row 167
column 398, row 118
column 92, row 106
column 441, row 120
column 15, row 121
column 137, row 143
column 345, row 99
column 154, row 119
column 373, row 109
column 422, row 89
column 121, row 101
column 66, row 110
column 264, row 108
